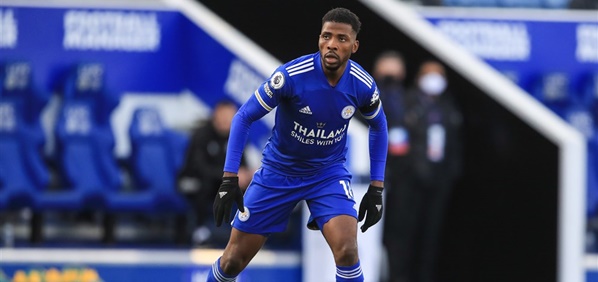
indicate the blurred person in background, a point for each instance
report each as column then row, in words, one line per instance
column 202, row 171
column 389, row 72
column 433, row 159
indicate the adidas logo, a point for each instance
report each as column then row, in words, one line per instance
column 379, row 207
column 305, row 110
column 222, row 194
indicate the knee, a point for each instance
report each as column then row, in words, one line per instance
column 232, row 265
column 346, row 254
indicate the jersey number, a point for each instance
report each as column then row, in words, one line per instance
column 347, row 187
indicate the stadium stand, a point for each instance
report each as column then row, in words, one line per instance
column 86, row 167
column 156, row 157
column 86, row 82
column 154, row 162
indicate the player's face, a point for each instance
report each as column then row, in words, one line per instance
column 222, row 118
column 337, row 42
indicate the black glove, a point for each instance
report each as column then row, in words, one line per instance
column 228, row 193
column 372, row 203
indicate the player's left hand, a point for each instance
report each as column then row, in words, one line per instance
column 372, row 204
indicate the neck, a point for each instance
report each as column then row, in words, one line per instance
column 334, row 76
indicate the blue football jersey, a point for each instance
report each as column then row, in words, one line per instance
column 312, row 117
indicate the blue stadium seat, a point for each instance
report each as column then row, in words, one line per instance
column 84, row 153
column 156, row 157
column 579, row 116
column 85, row 143
column 18, row 87
column 22, row 168
column 23, row 171
column 86, row 82
column 553, row 90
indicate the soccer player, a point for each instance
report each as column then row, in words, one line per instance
column 316, row 95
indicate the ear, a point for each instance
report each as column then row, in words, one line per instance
column 355, row 46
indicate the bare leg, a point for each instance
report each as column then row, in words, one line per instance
column 241, row 249
column 341, row 234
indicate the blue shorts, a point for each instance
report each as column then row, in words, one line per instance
column 271, row 197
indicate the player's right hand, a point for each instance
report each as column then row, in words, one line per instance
column 228, row 193
column 371, row 204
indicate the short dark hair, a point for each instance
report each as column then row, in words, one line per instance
column 343, row 15
column 389, row 54
column 225, row 102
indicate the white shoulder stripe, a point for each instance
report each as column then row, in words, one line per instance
column 375, row 113
column 361, row 78
column 300, row 65
column 360, row 71
column 301, row 71
column 262, row 102
column 306, row 66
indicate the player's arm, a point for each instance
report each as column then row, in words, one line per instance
column 229, row 191
column 374, row 115
column 371, row 204
column 239, row 133
column 263, row 100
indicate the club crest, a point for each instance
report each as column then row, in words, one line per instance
column 244, row 216
column 348, row 112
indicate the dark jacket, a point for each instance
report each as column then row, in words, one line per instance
column 424, row 115
column 205, row 158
